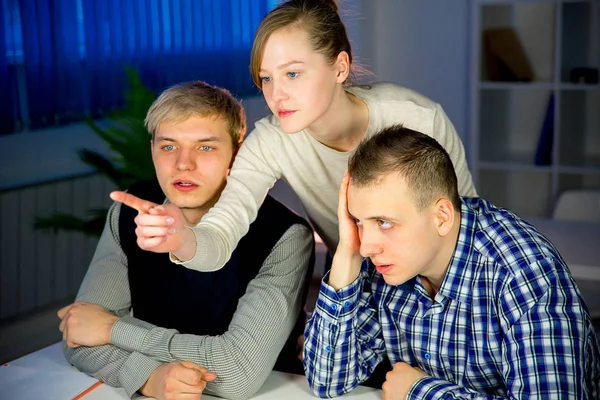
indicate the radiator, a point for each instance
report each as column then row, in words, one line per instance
column 38, row 269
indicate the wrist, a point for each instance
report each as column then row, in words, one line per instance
column 146, row 389
column 345, row 268
column 187, row 250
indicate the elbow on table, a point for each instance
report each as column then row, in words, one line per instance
column 324, row 391
column 238, row 387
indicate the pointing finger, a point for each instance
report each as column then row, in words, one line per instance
column 132, row 201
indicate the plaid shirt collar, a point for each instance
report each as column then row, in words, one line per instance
column 457, row 284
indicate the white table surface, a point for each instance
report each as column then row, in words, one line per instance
column 278, row 386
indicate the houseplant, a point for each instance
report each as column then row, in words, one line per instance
column 130, row 159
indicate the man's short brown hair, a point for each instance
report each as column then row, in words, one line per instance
column 420, row 159
column 180, row 102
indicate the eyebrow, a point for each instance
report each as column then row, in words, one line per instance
column 202, row 140
column 287, row 64
column 376, row 218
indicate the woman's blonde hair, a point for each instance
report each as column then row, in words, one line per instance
column 197, row 98
column 319, row 19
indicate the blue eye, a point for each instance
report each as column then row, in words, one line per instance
column 292, row 74
column 168, row 147
column 265, row 79
column 206, row 148
column 384, row 224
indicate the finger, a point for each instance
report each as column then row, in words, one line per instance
column 192, row 365
column 132, row 201
column 188, row 376
column 63, row 311
column 64, row 334
column 209, row 376
column 149, row 243
column 153, row 231
column 343, row 196
column 206, row 374
column 158, row 210
column 63, row 324
column 153, row 220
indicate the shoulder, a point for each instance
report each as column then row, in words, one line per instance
column 268, row 125
column 391, row 104
column 510, row 242
column 387, row 92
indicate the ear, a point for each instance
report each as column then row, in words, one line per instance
column 342, row 65
column 444, row 216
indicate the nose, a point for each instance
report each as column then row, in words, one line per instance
column 369, row 244
column 278, row 92
column 185, row 161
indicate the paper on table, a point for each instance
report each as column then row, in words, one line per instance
column 26, row 383
column 44, row 374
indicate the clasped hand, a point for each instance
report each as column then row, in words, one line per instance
column 85, row 324
column 400, row 380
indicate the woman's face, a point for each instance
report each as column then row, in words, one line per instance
column 298, row 83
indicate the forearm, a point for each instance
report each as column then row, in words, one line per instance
column 112, row 365
column 253, row 174
column 340, row 352
column 430, row 388
column 106, row 284
column 345, row 268
column 243, row 356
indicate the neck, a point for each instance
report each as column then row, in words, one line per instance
column 435, row 275
column 344, row 124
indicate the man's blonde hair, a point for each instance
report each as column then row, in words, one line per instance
column 197, row 99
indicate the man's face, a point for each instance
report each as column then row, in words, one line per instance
column 401, row 240
column 192, row 160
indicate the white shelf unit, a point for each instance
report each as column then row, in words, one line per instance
column 506, row 118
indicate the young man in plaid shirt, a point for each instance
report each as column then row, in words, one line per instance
column 467, row 300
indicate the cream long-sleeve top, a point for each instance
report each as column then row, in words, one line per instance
column 313, row 170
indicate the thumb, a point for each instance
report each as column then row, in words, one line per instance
column 206, row 375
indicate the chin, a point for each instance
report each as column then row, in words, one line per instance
column 291, row 127
column 394, row 280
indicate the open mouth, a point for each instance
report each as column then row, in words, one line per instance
column 185, row 185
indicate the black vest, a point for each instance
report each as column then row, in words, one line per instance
column 170, row 296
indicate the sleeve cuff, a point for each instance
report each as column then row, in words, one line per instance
column 205, row 245
column 136, row 371
column 128, row 333
column 338, row 306
column 429, row 388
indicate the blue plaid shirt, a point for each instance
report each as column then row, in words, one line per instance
column 507, row 323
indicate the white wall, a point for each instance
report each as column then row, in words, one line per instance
column 421, row 44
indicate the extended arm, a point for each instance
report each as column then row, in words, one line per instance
column 255, row 171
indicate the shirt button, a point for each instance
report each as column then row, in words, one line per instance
column 328, row 348
column 427, row 356
column 334, row 307
column 347, row 304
